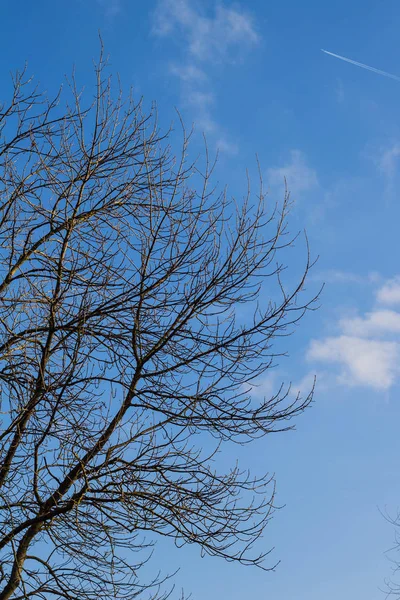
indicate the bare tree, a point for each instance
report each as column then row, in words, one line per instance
column 392, row 583
column 126, row 358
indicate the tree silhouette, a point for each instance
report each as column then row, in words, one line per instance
column 132, row 328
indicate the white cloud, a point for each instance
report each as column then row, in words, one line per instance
column 367, row 347
column 389, row 293
column 170, row 12
column 202, row 100
column 299, row 176
column 376, row 323
column 364, row 362
column 221, row 37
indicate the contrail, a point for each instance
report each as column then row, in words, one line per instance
column 358, row 64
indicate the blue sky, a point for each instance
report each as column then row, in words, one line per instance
column 251, row 75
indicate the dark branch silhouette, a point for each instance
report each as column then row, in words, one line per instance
column 131, row 329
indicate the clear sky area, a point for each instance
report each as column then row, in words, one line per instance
column 252, row 77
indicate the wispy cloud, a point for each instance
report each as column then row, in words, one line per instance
column 219, row 38
column 367, row 348
column 111, row 7
column 226, row 146
column 388, row 161
column 188, row 73
column 202, row 102
column 266, row 387
column 339, row 91
column 276, row 383
column 344, row 277
column 206, row 42
column 300, row 177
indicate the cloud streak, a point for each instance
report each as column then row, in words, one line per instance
column 334, row 276
column 358, row 64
